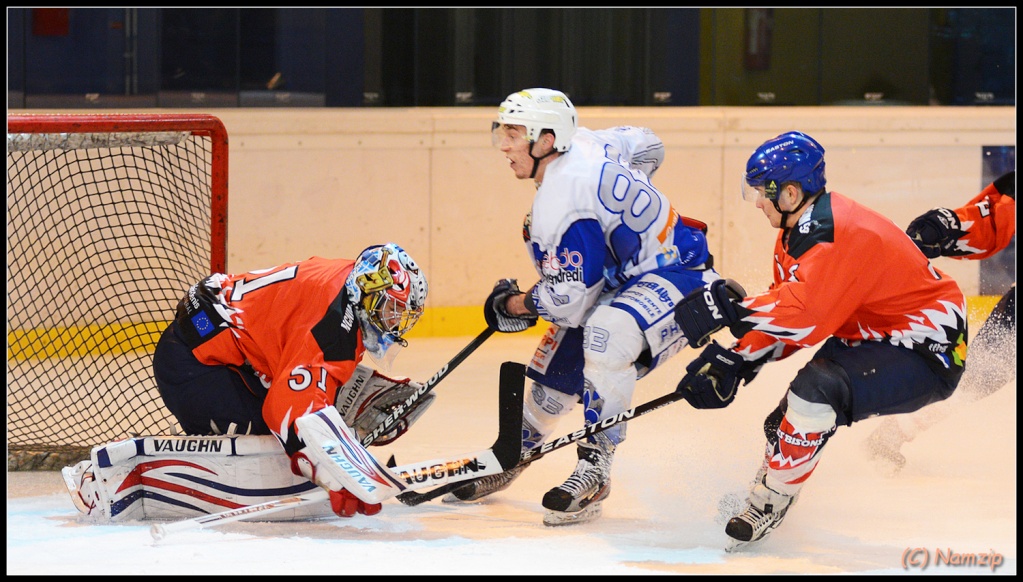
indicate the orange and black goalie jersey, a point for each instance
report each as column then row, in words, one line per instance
column 295, row 325
column 849, row 272
column 987, row 222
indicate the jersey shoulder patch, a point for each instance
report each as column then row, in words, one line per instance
column 816, row 227
column 337, row 332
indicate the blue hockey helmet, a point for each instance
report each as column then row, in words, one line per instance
column 790, row 157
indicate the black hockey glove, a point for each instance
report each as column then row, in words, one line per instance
column 498, row 319
column 706, row 310
column 1006, row 184
column 712, row 379
column 935, row 232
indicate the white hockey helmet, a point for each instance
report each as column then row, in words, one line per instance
column 539, row 109
column 390, row 290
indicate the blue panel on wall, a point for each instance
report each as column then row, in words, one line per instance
column 997, row 273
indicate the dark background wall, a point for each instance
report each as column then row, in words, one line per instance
column 402, row 57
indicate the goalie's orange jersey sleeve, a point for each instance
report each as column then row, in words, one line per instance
column 294, row 324
column 849, row 272
column 989, row 223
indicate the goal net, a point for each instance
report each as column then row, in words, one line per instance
column 110, row 218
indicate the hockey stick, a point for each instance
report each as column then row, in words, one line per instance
column 396, row 414
column 500, row 457
column 161, row 530
column 412, row 498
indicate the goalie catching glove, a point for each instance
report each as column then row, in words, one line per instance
column 496, row 312
column 706, row 310
column 712, row 379
column 369, row 399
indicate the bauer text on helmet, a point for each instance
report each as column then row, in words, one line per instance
column 538, row 110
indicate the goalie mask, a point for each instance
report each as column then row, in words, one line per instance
column 390, row 291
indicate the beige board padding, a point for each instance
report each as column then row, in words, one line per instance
column 329, row 182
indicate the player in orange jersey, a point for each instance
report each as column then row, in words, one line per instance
column 982, row 227
column 262, row 349
column 893, row 326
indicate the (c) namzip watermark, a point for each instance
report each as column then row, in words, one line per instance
column 923, row 558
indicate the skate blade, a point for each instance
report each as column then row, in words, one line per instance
column 450, row 498
column 558, row 518
column 735, row 546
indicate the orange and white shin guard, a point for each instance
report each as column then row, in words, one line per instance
column 793, row 457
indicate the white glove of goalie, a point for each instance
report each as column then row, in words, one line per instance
column 369, row 399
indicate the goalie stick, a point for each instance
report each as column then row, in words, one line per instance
column 502, row 456
column 412, row 498
column 388, row 423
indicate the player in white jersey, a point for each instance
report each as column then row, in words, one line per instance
column 614, row 257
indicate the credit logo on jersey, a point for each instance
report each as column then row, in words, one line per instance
column 564, row 277
column 566, row 259
column 563, row 267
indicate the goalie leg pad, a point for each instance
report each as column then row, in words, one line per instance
column 175, row 477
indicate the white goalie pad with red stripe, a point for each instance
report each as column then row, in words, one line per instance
column 175, row 477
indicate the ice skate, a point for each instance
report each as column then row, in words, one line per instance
column 483, row 486
column 80, row 482
column 883, row 447
column 764, row 512
column 579, row 498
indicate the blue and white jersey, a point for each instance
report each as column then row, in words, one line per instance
column 597, row 222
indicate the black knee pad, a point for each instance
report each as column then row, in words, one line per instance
column 773, row 421
column 825, row 382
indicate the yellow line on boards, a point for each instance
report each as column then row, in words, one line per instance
column 120, row 338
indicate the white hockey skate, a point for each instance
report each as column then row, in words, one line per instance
column 580, row 497
column 764, row 512
column 483, row 486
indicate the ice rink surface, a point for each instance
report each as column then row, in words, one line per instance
column 956, row 496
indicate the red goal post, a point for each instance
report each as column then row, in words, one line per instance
column 110, row 217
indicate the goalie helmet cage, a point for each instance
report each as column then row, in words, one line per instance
column 110, row 218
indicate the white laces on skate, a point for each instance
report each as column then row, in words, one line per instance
column 758, row 522
column 579, row 498
column 585, row 477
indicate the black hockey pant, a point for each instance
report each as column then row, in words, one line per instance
column 206, row 399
